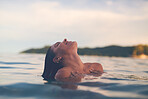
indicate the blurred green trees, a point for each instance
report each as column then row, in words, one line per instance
column 113, row 50
column 37, row 50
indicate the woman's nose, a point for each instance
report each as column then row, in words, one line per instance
column 65, row 40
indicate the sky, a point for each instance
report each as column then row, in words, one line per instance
column 28, row 24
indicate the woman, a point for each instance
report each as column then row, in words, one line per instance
column 62, row 63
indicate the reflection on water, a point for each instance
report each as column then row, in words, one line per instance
column 64, row 85
column 125, row 78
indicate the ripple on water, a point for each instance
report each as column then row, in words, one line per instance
column 45, row 91
column 11, row 63
column 6, row 67
column 22, row 73
column 127, row 88
column 97, row 84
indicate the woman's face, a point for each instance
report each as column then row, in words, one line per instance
column 64, row 48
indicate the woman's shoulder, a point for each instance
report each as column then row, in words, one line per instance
column 64, row 72
column 98, row 64
column 67, row 74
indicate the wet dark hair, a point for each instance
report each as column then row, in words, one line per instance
column 50, row 68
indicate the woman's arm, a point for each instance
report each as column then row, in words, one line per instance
column 93, row 68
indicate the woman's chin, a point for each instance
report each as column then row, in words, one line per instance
column 75, row 43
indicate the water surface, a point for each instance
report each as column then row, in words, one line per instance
column 125, row 78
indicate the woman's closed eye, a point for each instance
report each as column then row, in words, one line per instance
column 57, row 44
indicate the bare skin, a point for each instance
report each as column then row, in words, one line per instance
column 74, row 69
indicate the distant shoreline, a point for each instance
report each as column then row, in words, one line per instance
column 139, row 51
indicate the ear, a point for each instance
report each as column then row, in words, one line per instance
column 57, row 59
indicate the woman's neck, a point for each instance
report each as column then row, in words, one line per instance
column 73, row 61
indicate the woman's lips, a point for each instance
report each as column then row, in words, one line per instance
column 69, row 43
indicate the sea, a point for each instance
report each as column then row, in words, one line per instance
column 123, row 78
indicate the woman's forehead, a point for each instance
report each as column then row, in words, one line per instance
column 57, row 42
column 54, row 46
